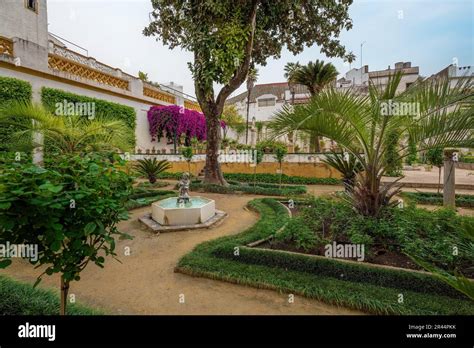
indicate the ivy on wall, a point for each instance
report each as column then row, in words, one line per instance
column 12, row 90
column 50, row 97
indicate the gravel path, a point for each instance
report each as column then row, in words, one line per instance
column 144, row 283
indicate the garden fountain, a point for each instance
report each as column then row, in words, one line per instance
column 182, row 212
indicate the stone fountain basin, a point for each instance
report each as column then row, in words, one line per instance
column 166, row 213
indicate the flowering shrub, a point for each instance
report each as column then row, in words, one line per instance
column 166, row 121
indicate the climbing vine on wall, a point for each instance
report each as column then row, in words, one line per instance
column 177, row 122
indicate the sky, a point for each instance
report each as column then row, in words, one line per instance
column 430, row 33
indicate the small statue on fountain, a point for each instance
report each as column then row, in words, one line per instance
column 184, row 189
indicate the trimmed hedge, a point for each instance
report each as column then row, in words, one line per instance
column 150, row 193
column 259, row 189
column 462, row 200
column 12, row 90
column 51, row 96
column 354, row 272
column 285, row 179
column 467, row 159
column 143, row 199
column 266, row 178
column 22, row 299
column 361, row 287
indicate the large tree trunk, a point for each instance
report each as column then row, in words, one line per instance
column 213, row 107
column 212, row 170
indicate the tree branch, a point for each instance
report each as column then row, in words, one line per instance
column 242, row 71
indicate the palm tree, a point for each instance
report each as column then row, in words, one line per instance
column 64, row 134
column 290, row 70
column 445, row 118
column 252, row 77
column 348, row 166
column 315, row 76
column 151, row 168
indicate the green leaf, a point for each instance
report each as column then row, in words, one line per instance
column 56, row 245
column 5, row 205
column 52, row 188
column 77, row 244
column 90, row 227
column 5, row 263
column 38, row 280
column 125, row 236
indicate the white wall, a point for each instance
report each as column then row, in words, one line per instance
column 18, row 21
column 357, row 76
column 262, row 113
column 143, row 138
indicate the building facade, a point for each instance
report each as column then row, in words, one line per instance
column 268, row 99
column 29, row 53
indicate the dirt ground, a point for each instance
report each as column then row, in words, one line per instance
column 145, row 283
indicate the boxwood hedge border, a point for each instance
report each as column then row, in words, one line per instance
column 365, row 287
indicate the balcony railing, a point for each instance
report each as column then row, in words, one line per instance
column 65, row 60
column 6, row 46
column 192, row 106
column 156, row 93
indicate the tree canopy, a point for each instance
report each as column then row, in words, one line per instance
column 226, row 36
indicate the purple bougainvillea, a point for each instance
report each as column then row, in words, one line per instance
column 166, row 121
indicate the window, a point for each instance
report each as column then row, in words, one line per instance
column 266, row 102
column 32, row 5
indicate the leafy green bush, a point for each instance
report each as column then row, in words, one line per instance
column 22, row 299
column 412, row 152
column 267, row 178
column 11, row 90
column 50, row 97
column 427, row 234
column 245, row 188
column 146, row 185
column 300, row 274
column 466, row 159
column 70, row 209
column 149, row 193
column 170, row 175
column 393, row 162
column 298, row 233
column 462, row 200
column 270, row 146
column 140, row 199
column 285, row 179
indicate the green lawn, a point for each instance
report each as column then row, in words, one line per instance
column 18, row 298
